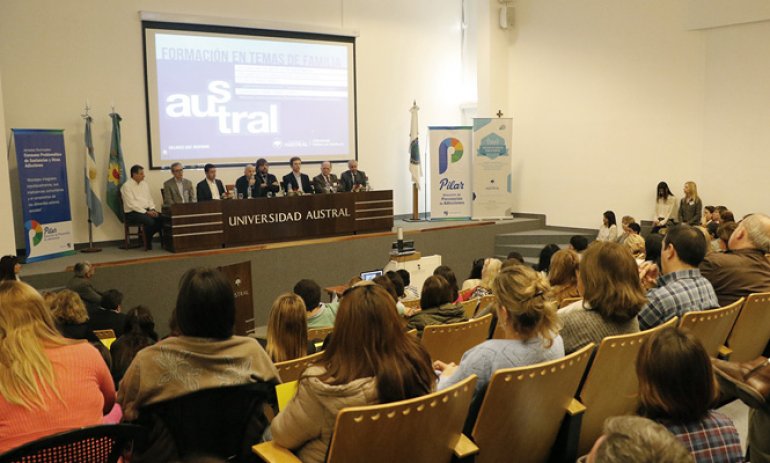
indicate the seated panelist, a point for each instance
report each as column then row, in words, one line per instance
column 177, row 189
column 295, row 181
column 267, row 183
column 353, row 179
column 325, row 182
column 210, row 187
column 246, row 185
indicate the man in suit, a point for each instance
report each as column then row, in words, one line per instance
column 296, row 181
column 326, row 181
column 107, row 316
column 246, row 185
column 177, row 189
column 211, row 187
column 353, row 179
column 266, row 182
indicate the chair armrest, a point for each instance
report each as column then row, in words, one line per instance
column 575, row 408
column 465, row 447
column 724, row 352
column 271, row 452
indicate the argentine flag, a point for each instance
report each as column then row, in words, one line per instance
column 95, row 214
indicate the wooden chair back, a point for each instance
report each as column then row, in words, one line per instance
column 470, row 306
column 712, row 327
column 449, row 342
column 129, row 227
column 382, row 433
column 291, row 370
column 107, row 337
column 412, row 303
column 751, row 331
column 485, row 301
column 568, row 300
column 611, row 387
column 319, row 334
column 524, row 407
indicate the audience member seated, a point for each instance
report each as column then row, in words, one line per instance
column 287, row 329
column 398, row 283
column 563, row 275
column 138, row 333
column 609, row 229
column 138, row 205
column 624, row 224
column 107, row 316
column 10, row 267
column 724, row 231
column 652, row 248
column 726, row 216
column 612, row 297
column 635, row 245
column 544, row 261
column 677, row 388
column 205, row 355
column 81, row 284
column 488, row 275
column 514, row 256
column 743, row 269
column 665, row 207
column 633, row 439
column 578, row 243
column 530, row 324
column 326, row 181
column 474, row 278
column 411, row 292
column 71, row 316
column 706, row 218
column 450, row 277
column 355, row 369
column 210, row 188
column 681, row 288
column 319, row 315
column 437, row 305
column 48, row 384
column 388, row 285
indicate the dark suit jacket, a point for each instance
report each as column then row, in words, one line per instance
column 103, row 319
column 291, row 183
column 204, row 192
column 271, row 182
column 320, row 185
column 348, row 180
column 242, row 186
column 85, row 290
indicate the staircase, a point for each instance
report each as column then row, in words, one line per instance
column 535, row 235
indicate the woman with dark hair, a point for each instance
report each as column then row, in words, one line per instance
column 398, row 283
column 369, row 360
column 612, row 297
column 9, row 268
column 387, row 284
column 665, row 204
column 653, row 246
column 138, row 333
column 677, row 388
column 450, row 277
column 609, row 229
column 287, row 329
column 564, row 275
column 437, row 306
column 474, row 278
column 544, row 262
column 205, row 355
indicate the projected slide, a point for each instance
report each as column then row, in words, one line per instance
column 230, row 99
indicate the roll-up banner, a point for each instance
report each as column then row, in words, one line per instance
column 45, row 198
column 491, row 168
column 450, row 172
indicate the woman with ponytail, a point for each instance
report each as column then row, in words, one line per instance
column 527, row 315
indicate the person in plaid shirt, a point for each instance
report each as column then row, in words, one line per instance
column 681, row 288
column 677, row 388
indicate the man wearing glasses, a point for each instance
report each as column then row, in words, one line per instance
column 178, row 189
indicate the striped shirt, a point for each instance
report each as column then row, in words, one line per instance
column 677, row 293
column 714, row 439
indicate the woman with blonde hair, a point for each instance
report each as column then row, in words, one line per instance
column 635, row 245
column 488, row 275
column 71, row 317
column 369, row 360
column 612, row 297
column 531, row 327
column 48, row 383
column 690, row 206
column 287, row 329
column 564, row 275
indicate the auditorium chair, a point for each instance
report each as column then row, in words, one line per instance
column 486, row 301
column 524, row 408
column 449, row 342
column 223, row 422
column 93, row 444
column 412, row 303
column 711, row 327
column 425, row 429
column 568, row 300
column 611, row 387
column 470, row 306
column 290, row 370
column 127, row 229
column 751, row 331
column 319, row 334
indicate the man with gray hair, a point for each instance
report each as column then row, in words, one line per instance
column 326, row 181
column 633, row 439
column 743, row 269
column 178, row 189
column 81, row 284
column 246, row 185
column 353, row 179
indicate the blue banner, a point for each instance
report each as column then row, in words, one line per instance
column 45, row 197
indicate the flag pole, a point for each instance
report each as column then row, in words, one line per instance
column 91, row 248
column 414, row 163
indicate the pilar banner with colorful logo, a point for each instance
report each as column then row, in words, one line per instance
column 491, row 168
column 450, row 172
column 45, row 197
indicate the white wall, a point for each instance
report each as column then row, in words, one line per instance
column 55, row 55
column 607, row 100
column 7, row 240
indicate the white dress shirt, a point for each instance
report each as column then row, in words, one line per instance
column 136, row 197
column 214, row 189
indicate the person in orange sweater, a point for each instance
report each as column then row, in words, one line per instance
column 48, row 384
